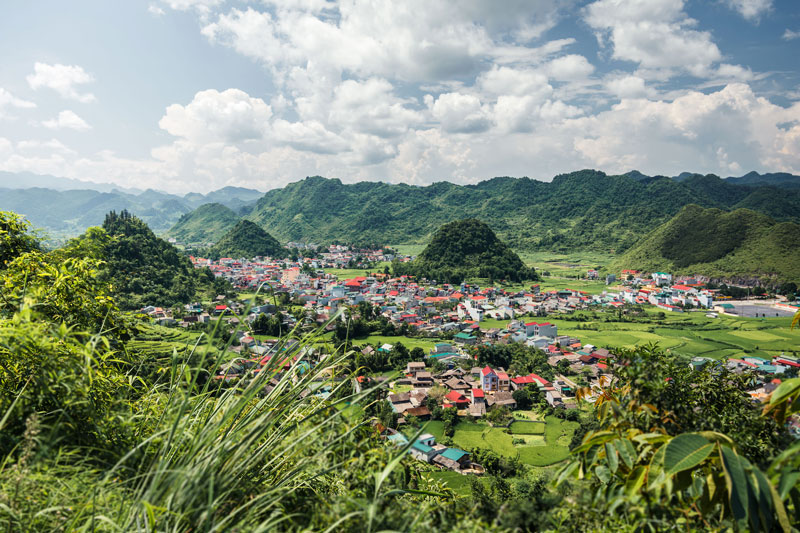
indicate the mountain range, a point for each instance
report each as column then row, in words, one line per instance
column 68, row 210
column 586, row 210
column 739, row 245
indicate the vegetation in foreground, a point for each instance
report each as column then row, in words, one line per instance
column 90, row 441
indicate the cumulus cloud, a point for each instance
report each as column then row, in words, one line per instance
column 569, row 67
column 750, row 9
column 230, row 116
column 655, row 34
column 460, row 113
column 66, row 120
column 8, row 100
column 63, row 79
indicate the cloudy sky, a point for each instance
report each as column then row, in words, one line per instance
column 193, row 95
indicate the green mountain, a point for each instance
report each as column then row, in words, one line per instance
column 740, row 244
column 207, row 223
column 246, row 239
column 466, row 249
column 142, row 268
column 580, row 210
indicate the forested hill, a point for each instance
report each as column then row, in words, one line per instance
column 246, row 240
column 580, row 210
column 719, row 244
column 141, row 268
column 466, row 249
column 207, row 223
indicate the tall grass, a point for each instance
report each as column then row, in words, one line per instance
column 265, row 454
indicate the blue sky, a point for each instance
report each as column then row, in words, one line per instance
column 193, row 95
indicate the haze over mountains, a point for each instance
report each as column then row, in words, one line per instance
column 64, row 207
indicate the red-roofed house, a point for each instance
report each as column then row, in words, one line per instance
column 457, row 399
column 488, row 379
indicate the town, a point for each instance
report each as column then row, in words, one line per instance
column 444, row 377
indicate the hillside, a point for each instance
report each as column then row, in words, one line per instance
column 248, row 240
column 580, row 210
column 466, row 249
column 142, row 268
column 719, row 244
column 207, row 223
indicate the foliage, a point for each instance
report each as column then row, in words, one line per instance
column 659, row 457
column 141, row 268
column 728, row 245
column 464, row 249
column 209, row 222
column 246, row 240
column 15, row 238
column 585, row 209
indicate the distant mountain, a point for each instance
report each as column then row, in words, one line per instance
column 232, row 197
column 466, row 249
column 206, row 224
column 580, row 210
column 719, row 244
column 777, row 179
column 27, row 180
column 248, row 240
column 69, row 211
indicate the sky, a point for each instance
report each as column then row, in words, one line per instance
column 195, row 95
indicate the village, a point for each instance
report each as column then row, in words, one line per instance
column 444, row 377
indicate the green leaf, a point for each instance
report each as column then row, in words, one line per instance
column 611, row 457
column 602, row 473
column 626, row 451
column 736, row 482
column 635, row 480
column 686, row 451
column 788, row 388
column 787, row 481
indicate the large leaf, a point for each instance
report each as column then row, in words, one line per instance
column 736, row 482
column 788, row 388
column 611, row 457
column 686, row 451
column 635, row 480
column 626, row 451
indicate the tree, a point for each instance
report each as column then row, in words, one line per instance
column 15, row 237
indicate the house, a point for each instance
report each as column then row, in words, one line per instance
column 457, row 399
column 501, row 399
column 453, row 458
column 419, row 412
column 488, row 379
column 414, row 367
column 423, row 452
column 464, row 338
column 546, row 329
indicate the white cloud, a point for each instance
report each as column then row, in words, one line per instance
column 201, row 6
column 230, row 116
column 460, row 113
column 62, row 79
column 569, row 67
column 66, row 120
column 9, row 100
column 655, row 34
column 371, row 107
column 750, row 9
column 790, row 35
column 628, row 86
column 155, row 10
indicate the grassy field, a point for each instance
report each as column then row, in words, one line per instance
column 523, row 427
column 408, row 342
column 558, row 264
column 546, row 444
column 349, row 273
column 691, row 334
